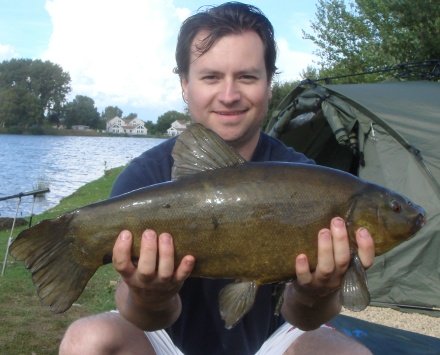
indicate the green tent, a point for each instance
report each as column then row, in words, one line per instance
column 387, row 133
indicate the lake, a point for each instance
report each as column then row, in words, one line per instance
column 61, row 163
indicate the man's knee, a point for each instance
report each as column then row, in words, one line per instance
column 85, row 334
column 326, row 341
column 106, row 333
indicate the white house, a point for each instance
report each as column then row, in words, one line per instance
column 177, row 127
column 132, row 127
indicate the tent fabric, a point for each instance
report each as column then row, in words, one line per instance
column 389, row 134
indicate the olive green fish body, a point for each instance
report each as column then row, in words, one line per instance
column 245, row 222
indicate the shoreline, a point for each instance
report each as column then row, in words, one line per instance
column 76, row 133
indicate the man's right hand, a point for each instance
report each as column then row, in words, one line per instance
column 148, row 294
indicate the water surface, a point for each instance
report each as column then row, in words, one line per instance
column 61, row 163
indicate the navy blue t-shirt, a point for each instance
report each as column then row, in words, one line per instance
column 199, row 329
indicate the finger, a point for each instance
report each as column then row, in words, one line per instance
column 326, row 263
column 148, row 254
column 185, row 268
column 122, row 253
column 165, row 268
column 302, row 267
column 365, row 247
column 341, row 246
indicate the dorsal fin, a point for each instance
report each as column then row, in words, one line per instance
column 198, row 149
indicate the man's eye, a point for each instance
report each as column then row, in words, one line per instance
column 209, row 78
column 248, row 78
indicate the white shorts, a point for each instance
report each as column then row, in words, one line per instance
column 277, row 343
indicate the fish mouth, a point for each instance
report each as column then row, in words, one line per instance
column 420, row 221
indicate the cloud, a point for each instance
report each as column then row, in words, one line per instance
column 291, row 62
column 295, row 52
column 7, row 52
column 119, row 52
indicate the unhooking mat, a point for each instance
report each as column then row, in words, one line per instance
column 387, row 340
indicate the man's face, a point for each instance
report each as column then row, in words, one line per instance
column 227, row 88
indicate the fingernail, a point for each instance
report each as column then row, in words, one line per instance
column 189, row 261
column 325, row 234
column 364, row 233
column 165, row 238
column 149, row 235
column 338, row 222
column 125, row 235
column 302, row 259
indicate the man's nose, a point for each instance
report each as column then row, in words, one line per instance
column 230, row 92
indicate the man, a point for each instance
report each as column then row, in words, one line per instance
column 226, row 61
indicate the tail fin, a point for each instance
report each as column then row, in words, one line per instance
column 48, row 251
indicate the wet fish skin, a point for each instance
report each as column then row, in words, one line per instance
column 244, row 222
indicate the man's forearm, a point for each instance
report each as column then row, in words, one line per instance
column 309, row 312
column 147, row 317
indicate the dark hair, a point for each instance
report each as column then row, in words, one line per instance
column 222, row 20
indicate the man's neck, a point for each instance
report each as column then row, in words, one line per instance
column 247, row 149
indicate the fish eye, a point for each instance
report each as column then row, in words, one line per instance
column 395, row 206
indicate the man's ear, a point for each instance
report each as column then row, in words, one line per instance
column 183, row 82
column 184, row 85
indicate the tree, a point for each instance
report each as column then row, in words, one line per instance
column 310, row 73
column 19, row 108
column 46, row 82
column 164, row 121
column 360, row 35
column 81, row 111
column 111, row 112
column 130, row 116
column 151, row 127
column 51, row 84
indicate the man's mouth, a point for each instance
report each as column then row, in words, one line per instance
column 231, row 113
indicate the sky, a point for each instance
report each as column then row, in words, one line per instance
column 121, row 52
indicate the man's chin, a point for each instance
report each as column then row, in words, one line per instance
column 234, row 134
column 229, row 134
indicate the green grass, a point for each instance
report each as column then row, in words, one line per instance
column 26, row 326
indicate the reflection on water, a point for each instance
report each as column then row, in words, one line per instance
column 63, row 164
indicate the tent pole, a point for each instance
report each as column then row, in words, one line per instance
column 10, row 237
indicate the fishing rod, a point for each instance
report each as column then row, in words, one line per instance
column 422, row 70
column 22, row 194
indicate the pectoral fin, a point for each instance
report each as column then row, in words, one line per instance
column 235, row 300
column 354, row 293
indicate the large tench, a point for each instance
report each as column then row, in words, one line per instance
column 241, row 221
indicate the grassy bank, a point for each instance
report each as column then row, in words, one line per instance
column 27, row 327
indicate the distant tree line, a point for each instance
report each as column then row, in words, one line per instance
column 33, row 95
